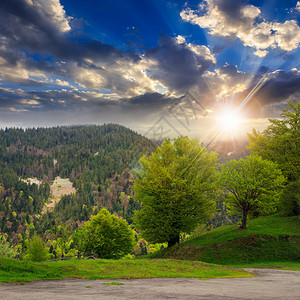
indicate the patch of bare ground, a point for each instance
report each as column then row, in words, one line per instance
column 59, row 188
column 32, row 181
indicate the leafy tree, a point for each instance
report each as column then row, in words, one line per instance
column 253, row 185
column 175, row 187
column 80, row 239
column 6, row 249
column 107, row 235
column 290, row 199
column 280, row 141
column 36, row 250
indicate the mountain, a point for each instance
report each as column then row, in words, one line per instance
column 96, row 159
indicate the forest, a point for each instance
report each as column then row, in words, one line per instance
column 96, row 159
column 120, row 176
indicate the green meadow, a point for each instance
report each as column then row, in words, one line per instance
column 19, row 271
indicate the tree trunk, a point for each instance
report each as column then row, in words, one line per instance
column 244, row 219
column 173, row 241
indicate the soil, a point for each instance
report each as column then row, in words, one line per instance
column 59, row 187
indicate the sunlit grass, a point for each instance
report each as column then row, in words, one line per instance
column 268, row 225
column 19, row 271
column 272, row 238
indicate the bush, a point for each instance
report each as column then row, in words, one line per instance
column 36, row 250
column 106, row 235
column 6, row 249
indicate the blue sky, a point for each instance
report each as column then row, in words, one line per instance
column 159, row 67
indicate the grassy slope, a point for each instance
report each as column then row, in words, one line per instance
column 271, row 238
column 20, row 271
column 282, row 265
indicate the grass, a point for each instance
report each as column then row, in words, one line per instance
column 20, row 271
column 113, row 283
column 282, row 265
column 271, row 238
column 268, row 225
column 268, row 242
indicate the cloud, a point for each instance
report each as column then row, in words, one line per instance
column 150, row 102
column 38, row 25
column 280, row 86
column 38, row 46
column 287, row 35
column 177, row 64
column 227, row 81
column 232, row 19
column 298, row 6
column 53, row 11
column 79, row 107
column 230, row 86
column 42, row 26
column 62, row 82
column 13, row 67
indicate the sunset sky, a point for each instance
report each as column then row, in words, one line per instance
column 162, row 68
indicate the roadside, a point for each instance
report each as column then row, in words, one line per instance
column 269, row 284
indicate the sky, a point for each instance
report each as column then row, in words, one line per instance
column 206, row 69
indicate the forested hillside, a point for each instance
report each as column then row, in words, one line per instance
column 96, row 159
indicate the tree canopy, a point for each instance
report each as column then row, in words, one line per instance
column 252, row 186
column 106, row 235
column 175, row 187
column 280, row 141
column 6, row 249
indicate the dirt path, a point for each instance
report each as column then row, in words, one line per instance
column 269, row 284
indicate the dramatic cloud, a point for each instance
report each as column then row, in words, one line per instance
column 178, row 65
column 232, row 19
column 53, row 68
column 281, row 86
column 43, row 27
column 227, row 81
column 38, row 25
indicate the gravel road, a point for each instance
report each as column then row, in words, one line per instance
column 268, row 284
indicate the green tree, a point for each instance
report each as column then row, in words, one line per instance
column 107, row 236
column 253, row 186
column 36, row 249
column 280, row 141
column 6, row 249
column 290, row 199
column 175, row 187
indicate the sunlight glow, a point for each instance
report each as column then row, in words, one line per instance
column 230, row 121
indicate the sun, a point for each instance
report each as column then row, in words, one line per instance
column 230, row 120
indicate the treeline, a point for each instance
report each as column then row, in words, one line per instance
column 97, row 151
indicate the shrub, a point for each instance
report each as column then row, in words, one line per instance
column 36, row 249
column 107, row 236
column 6, row 249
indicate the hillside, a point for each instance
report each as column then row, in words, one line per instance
column 95, row 159
column 231, row 149
column 270, row 238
